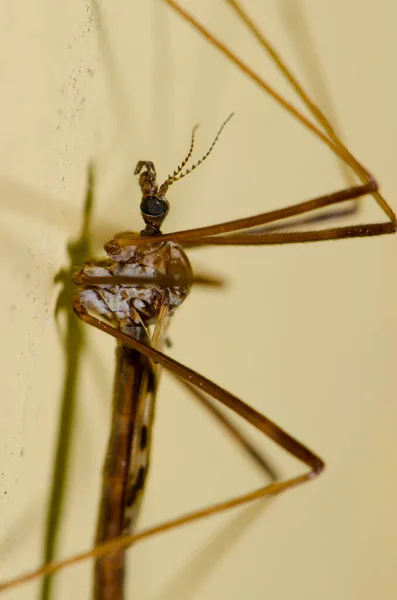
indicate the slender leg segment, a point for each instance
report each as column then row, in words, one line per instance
column 259, row 421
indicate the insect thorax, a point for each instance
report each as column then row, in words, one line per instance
column 126, row 305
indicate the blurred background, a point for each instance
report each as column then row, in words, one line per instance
column 306, row 334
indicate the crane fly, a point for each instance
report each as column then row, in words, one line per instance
column 247, row 231
column 140, row 286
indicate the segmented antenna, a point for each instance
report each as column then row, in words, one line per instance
column 171, row 178
column 178, row 174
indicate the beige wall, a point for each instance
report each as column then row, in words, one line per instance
column 306, row 334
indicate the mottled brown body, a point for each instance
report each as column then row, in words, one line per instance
column 129, row 307
column 123, row 479
column 126, row 305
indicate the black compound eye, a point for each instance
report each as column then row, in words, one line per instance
column 154, row 206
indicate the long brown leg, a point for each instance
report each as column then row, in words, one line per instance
column 316, row 112
column 203, row 235
column 336, row 146
column 304, row 47
column 205, row 280
column 232, row 430
column 206, row 235
column 300, row 35
column 192, row 237
column 259, row 421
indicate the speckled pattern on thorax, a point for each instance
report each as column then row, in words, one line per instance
column 120, row 303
